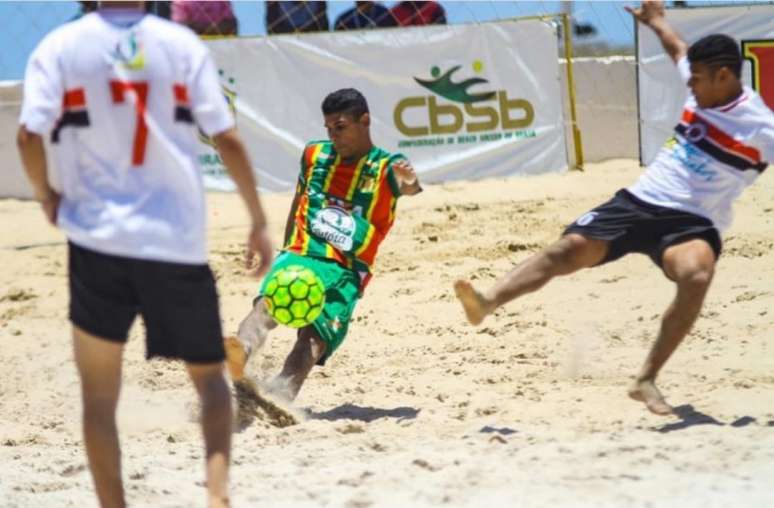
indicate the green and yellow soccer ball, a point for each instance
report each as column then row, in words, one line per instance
column 294, row 296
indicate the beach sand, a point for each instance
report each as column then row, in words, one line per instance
column 418, row 408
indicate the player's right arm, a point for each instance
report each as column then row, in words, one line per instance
column 42, row 106
column 300, row 189
column 291, row 220
column 215, row 120
column 234, row 155
column 651, row 14
column 33, row 156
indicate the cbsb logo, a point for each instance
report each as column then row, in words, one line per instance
column 760, row 53
column 476, row 113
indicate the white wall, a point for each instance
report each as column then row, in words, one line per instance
column 606, row 106
column 13, row 183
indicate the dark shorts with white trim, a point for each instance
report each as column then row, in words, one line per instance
column 178, row 303
column 633, row 225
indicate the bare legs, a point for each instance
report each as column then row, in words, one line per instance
column 571, row 253
column 252, row 334
column 691, row 265
column 99, row 365
column 215, row 399
column 305, row 354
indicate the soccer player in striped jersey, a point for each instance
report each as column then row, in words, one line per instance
column 121, row 94
column 343, row 208
column 676, row 211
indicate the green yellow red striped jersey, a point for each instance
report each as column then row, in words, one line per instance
column 345, row 209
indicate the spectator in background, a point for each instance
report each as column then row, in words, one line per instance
column 290, row 17
column 205, row 17
column 365, row 15
column 161, row 8
column 418, row 13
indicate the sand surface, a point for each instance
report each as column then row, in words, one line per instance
column 418, row 408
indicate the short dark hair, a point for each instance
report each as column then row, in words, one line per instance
column 716, row 51
column 346, row 100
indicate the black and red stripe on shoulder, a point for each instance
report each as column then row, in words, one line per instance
column 182, row 104
column 74, row 112
column 716, row 143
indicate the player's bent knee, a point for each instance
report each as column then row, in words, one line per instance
column 697, row 278
column 574, row 251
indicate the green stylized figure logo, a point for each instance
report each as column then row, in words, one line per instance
column 458, row 92
column 129, row 53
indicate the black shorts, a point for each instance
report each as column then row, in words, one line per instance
column 178, row 303
column 632, row 225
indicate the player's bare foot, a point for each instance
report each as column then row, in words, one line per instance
column 251, row 399
column 646, row 391
column 475, row 305
column 236, row 357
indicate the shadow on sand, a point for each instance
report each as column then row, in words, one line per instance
column 690, row 417
column 365, row 414
column 503, row 431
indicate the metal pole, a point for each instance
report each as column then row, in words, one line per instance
column 576, row 135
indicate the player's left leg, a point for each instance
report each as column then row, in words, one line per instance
column 306, row 353
column 215, row 398
column 691, row 265
column 99, row 367
column 567, row 255
column 251, row 336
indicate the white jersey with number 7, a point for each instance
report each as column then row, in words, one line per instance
column 121, row 94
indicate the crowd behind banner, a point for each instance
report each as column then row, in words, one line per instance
column 217, row 17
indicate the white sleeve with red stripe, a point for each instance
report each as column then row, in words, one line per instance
column 208, row 104
column 43, row 89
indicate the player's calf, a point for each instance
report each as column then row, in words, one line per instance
column 216, row 424
column 251, row 336
column 255, row 327
column 306, row 353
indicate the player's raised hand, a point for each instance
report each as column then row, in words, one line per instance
column 405, row 172
column 407, row 177
column 648, row 11
column 259, row 243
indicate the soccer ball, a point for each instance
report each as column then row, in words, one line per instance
column 294, row 296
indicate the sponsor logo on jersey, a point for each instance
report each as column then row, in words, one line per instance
column 129, row 53
column 336, row 226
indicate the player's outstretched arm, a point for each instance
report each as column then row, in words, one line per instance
column 33, row 156
column 407, row 178
column 651, row 13
column 234, row 155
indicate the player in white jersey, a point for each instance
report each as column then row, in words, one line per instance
column 121, row 94
column 674, row 213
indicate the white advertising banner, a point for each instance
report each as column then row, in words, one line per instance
column 461, row 101
column 662, row 93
